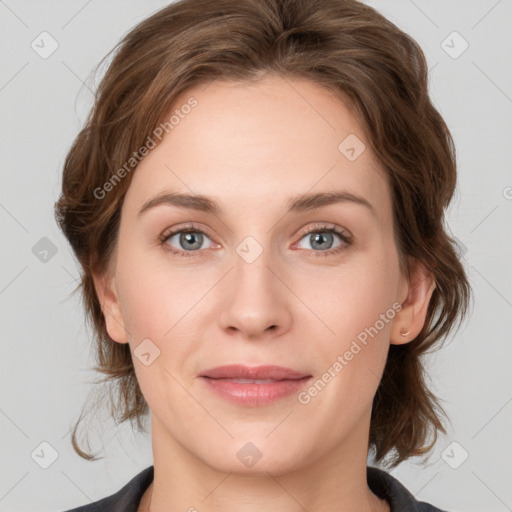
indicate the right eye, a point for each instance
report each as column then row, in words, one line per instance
column 189, row 239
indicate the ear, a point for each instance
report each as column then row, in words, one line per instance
column 411, row 317
column 108, row 297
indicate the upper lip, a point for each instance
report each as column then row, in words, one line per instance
column 238, row 371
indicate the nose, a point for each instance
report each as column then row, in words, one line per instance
column 256, row 301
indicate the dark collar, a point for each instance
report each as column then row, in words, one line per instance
column 381, row 484
column 395, row 493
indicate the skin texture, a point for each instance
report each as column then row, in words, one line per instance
column 251, row 148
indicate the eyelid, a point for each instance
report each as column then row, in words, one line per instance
column 191, row 226
column 324, row 226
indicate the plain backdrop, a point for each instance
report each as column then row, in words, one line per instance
column 45, row 361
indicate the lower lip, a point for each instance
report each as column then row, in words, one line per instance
column 254, row 394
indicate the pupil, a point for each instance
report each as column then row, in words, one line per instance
column 318, row 237
column 188, row 238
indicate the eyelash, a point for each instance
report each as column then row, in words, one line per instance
column 320, row 228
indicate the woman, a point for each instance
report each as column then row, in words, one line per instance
column 257, row 202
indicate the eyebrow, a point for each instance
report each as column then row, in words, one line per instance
column 299, row 204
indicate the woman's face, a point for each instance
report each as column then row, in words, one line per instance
column 261, row 280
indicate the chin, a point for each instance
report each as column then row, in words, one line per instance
column 255, row 458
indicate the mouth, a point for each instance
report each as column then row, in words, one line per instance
column 253, row 386
column 268, row 372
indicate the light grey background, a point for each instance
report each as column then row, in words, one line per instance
column 45, row 348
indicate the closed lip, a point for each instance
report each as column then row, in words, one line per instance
column 238, row 371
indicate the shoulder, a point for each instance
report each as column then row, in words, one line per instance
column 400, row 499
column 126, row 499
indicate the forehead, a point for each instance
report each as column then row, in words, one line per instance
column 243, row 141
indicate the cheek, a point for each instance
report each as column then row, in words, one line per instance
column 155, row 297
column 158, row 306
column 351, row 297
column 357, row 306
column 169, row 307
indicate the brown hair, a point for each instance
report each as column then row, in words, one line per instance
column 342, row 45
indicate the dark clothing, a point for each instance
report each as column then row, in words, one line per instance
column 381, row 483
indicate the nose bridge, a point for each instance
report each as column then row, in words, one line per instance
column 256, row 299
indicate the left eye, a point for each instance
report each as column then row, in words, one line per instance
column 322, row 239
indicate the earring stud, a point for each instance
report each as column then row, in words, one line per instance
column 404, row 331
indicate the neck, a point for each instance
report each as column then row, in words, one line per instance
column 335, row 481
